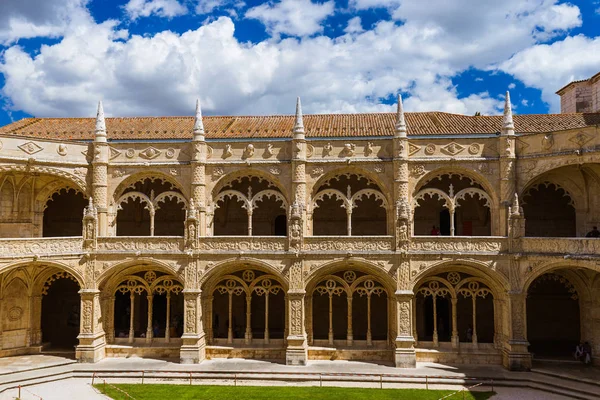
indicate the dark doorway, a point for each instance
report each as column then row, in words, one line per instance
column 553, row 319
column 280, row 225
column 445, row 222
column 61, row 314
column 63, row 215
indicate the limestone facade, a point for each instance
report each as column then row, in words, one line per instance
column 302, row 245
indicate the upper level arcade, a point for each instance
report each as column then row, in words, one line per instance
column 306, row 183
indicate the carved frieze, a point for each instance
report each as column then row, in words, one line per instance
column 40, row 246
column 347, row 243
column 466, row 245
column 243, row 244
column 139, row 244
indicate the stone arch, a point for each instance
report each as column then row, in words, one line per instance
column 149, row 206
column 350, row 201
column 207, row 281
column 132, row 179
column 245, row 300
column 554, row 266
column 248, row 204
column 359, row 299
column 492, row 278
column 331, row 267
column 53, row 265
column 147, row 298
column 454, row 304
column 352, row 170
column 108, row 277
column 254, row 172
column 444, row 207
column 481, row 179
column 557, row 203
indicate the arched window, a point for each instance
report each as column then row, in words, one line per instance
column 250, row 206
column 454, row 307
column 452, row 205
column 349, row 306
column 549, row 211
column 349, row 204
column 148, row 304
column 247, row 306
column 151, row 207
column 63, row 215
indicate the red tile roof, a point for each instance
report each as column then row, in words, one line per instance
column 280, row 126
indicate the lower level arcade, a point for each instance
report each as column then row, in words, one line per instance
column 458, row 314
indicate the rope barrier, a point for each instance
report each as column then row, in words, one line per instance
column 117, row 389
column 463, row 390
column 28, row 391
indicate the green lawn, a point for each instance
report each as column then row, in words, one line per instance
column 181, row 392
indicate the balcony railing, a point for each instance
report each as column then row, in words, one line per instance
column 31, row 247
column 550, row 245
column 129, row 244
column 40, row 246
column 459, row 244
column 348, row 243
column 243, row 243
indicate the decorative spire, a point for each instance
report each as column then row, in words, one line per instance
column 198, row 124
column 507, row 121
column 100, row 124
column 299, row 125
column 400, row 120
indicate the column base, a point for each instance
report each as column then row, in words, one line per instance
column 91, row 348
column 297, row 351
column 193, row 350
column 516, row 357
column 405, row 355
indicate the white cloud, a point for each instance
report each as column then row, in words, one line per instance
column 511, row 86
column 485, row 29
column 550, row 67
column 354, row 26
column 21, row 19
column 292, row 17
column 163, row 74
column 161, row 8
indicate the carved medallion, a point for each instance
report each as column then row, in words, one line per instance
column 170, row 153
column 113, row 153
column 150, row 153
column 580, row 139
column 15, row 313
column 130, row 153
column 452, row 148
column 413, row 148
column 30, row 147
column 430, row 149
column 474, row 148
column 61, row 149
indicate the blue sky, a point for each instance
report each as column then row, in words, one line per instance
column 155, row 57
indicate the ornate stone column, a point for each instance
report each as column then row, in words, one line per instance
column 515, row 354
column 455, row 338
column 507, row 150
column 100, row 158
column 297, row 349
column 92, row 341
column 405, row 355
column 193, row 348
column 198, row 167
column 297, row 213
column 35, row 310
column 401, row 191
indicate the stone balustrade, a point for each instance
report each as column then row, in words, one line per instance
column 579, row 246
column 348, row 243
column 146, row 244
column 31, row 247
column 12, row 248
column 459, row 244
column 243, row 243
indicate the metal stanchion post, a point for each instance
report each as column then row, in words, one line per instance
column 426, row 382
column 142, row 377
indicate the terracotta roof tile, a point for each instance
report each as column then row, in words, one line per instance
column 280, row 126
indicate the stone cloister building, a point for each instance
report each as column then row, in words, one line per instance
column 302, row 237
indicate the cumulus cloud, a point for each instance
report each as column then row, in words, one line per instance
column 550, row 67
column 292, row 17
column 164, row 73
column 23, row 19
column 161, row 8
